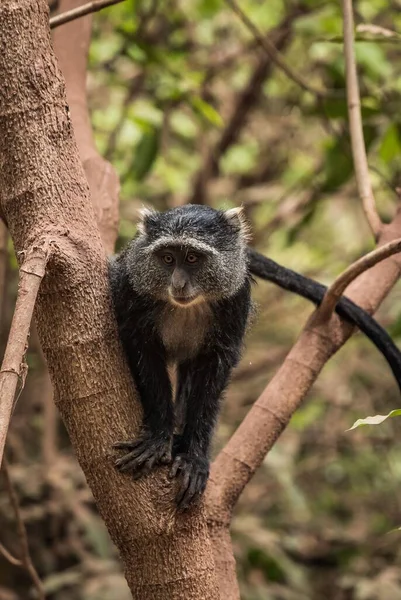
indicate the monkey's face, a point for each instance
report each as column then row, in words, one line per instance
column 179, row 270
column 189, row 254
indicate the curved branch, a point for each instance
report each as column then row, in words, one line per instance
column 338, row 287
column 355, row 124
column 80, row 11
column 13, row 368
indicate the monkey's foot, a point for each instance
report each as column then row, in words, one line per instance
column 143, row 454
column 193, row 472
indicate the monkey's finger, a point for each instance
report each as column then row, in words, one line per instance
column 127, row 445
column 190, row 494
column 185, row 483
column 176, row 466
column 132, row 460
column 137, row 453
column 144, row 469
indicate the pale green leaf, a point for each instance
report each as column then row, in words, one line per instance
column 375, row 420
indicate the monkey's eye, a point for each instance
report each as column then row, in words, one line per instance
column 191, row 258
column 168, row 259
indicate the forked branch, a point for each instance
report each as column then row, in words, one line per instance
column 13, row 368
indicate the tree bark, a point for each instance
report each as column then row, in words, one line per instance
column 43, row 192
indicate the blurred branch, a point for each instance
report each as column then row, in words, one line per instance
column 134, row 88
column 13, row 368
column 274, row 55
column 26, row 559
column 8, row 556
column 244, row 104
column 81, row 11
column 355, row 123
column 338, row 287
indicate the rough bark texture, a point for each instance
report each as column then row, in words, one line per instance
column 43, row 191
column 71, row 45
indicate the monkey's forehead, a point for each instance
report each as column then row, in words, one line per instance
column 186, row 241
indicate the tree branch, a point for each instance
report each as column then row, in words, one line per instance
column 355, row 123
column 338, row 287
column 274, row 55
column 26, row 560
column 81, row 11
column 12, row 370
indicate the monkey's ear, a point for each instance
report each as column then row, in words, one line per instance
column 237, row 219
column 144, row 214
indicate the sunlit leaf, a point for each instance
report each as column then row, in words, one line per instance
column 375, row 420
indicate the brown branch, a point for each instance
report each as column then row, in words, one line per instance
column 338, row 287
column 355, row 123
column 274, row 55
column 12, row 369
column 26, row 559
column 81, row 11
column 8, row 556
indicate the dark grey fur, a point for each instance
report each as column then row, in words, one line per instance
column 201, row 339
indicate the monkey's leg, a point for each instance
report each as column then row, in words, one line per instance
column 201, row 381
column 267, row 269
column 153, row 446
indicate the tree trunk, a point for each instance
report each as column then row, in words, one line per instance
column 44, row 195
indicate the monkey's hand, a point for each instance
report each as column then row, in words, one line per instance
column 144, row 453
column 193, row 472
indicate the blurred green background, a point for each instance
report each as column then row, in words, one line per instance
column 188, row 107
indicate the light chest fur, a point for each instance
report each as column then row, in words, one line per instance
column 183, row 330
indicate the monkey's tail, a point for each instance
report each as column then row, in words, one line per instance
column 267, row 269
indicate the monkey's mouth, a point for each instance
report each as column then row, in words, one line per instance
column 184, row 300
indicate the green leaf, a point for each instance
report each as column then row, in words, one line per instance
column 390, row 147
column 376, row 420
column 146, row 153
column 206, row 111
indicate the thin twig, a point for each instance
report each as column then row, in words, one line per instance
column 8, row 556
column 338, row 287
column 26, row 559
column 81, row 11
column 355, row 124
column 274, row 55
column 13, row 370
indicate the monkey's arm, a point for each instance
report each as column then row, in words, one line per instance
column 267, row 269
column 153, row 445
column 147, row 363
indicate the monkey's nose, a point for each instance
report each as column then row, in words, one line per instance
column 178, row 281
